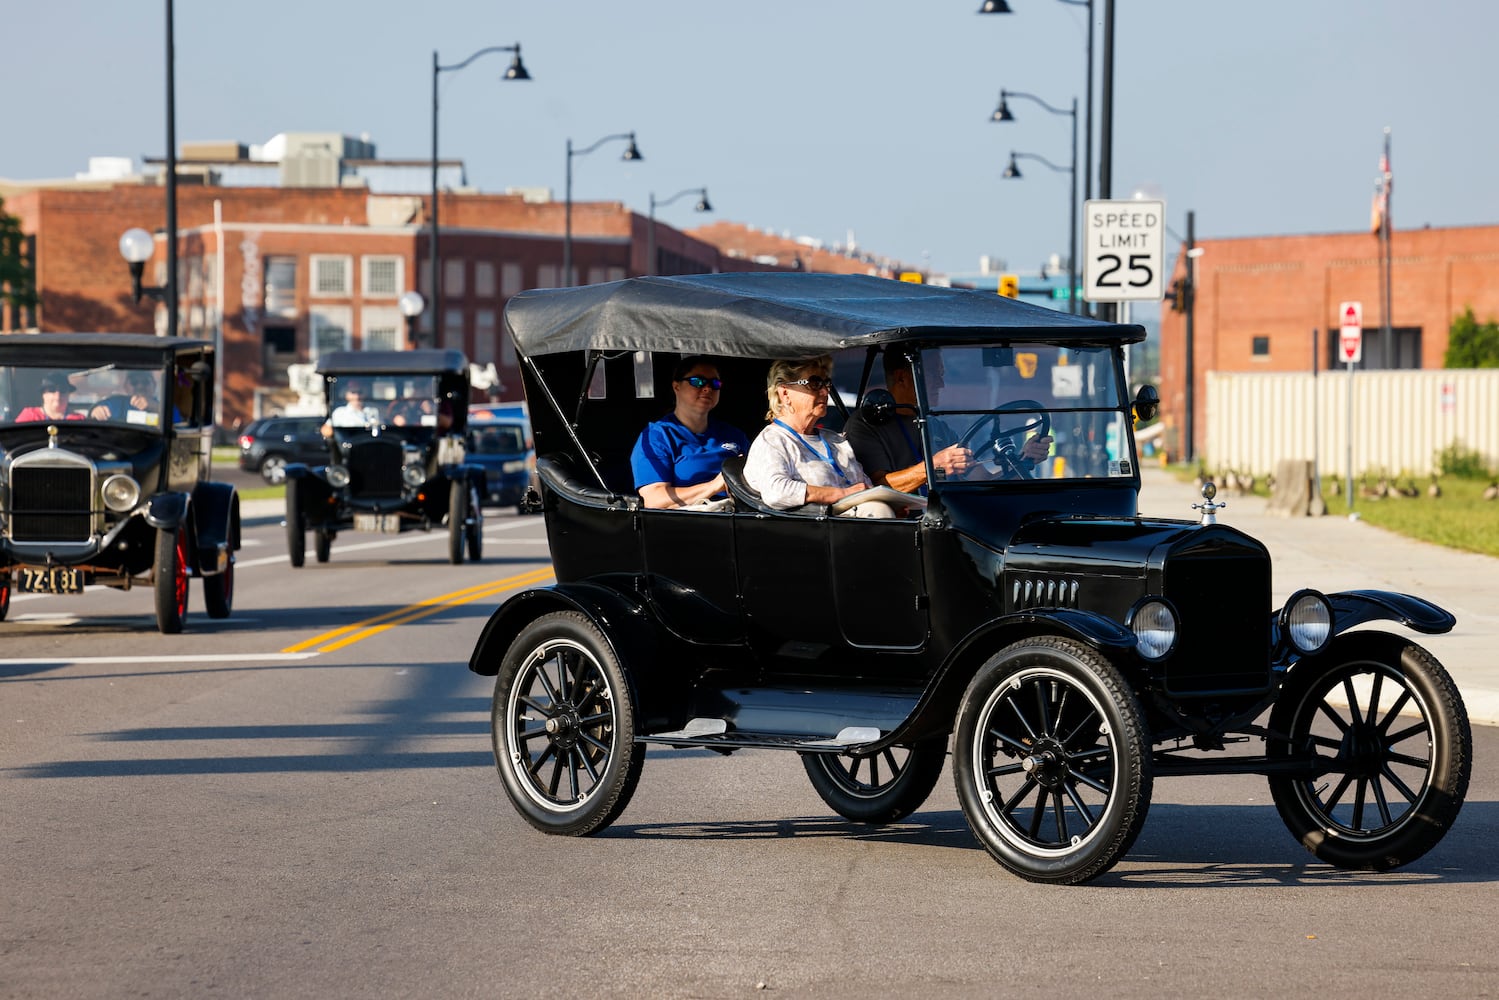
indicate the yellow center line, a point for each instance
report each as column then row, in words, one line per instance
column 350, row 634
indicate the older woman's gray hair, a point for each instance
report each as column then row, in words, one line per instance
column 789, row 371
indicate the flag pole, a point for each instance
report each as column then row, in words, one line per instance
column 1388, row 331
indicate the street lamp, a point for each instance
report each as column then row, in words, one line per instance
column 632, row 152
column 516, row 71
column 1002, row 114
column 137, row 246
column 650, row 232
column 411, row 305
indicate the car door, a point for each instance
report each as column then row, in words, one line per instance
column 691, row 573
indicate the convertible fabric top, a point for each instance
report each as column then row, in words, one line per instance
column 419, row 362
column 782, row 315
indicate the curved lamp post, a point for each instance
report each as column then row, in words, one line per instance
column 1012, row 172
column 1002, row 114
column 411, row 305
column 632, row 152
column 516, row 71
column 650, row 232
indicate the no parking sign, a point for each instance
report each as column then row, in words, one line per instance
column 1351, row 331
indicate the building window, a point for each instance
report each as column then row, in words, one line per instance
column 483, row 279
column 281, row 287
column 546, row 275
column 384, row 276
column 382, row 328
column 614, row 274
column 484, row 336
column 328, row 328
column 452, row 278
column 1260, row 348
column 511, row 281
column 452, row 329
column 332, row 274
column 598, row 275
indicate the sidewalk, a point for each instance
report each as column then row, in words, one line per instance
column 1332, row 553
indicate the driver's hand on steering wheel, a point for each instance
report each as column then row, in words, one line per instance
column 954, row 460
column 1037, row 449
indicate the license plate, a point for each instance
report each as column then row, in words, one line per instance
column 388, row 524
column 52, row 580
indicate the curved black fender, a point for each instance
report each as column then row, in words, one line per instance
column 215, row 521
column 1354, row 607
column 167, row 510
column 624, row 621
column 312, row 489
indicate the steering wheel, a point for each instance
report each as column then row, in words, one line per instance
column 1002, row 440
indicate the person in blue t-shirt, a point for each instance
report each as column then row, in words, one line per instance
column 678, row 459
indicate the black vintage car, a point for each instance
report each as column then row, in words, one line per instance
column 1069, row 650
column 396, row 459
column 104, row 477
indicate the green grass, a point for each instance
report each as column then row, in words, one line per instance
column 263, row 493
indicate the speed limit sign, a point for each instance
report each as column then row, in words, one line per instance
column 1123, row 257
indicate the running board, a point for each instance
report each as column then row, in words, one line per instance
column 714, row 734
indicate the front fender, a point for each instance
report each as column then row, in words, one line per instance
column 167, row 510
column 215, row 526
column 1355, row 607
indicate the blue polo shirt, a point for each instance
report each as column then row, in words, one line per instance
column 670, row 452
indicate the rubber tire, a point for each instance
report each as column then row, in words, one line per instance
column 4, row 595
column 170, row 584
column 1007, row 686
column 474, row 532
column 273, row 469
column 322, row 544
column 835, row 778
column 617, row 765
column 457, row 515
column 1448, row 765
column 296, row 533
column 218, row 592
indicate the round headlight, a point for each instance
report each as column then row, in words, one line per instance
column 1307, row 621
column 414, row 474
column 121, row 493
column 1154, row 623
column 338, row 476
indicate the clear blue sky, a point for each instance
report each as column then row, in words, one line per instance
column 812, row 117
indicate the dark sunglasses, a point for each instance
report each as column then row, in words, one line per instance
column 816, row 383
column 703, row 382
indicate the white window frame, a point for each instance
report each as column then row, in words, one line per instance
column 454, row 272
column 512, row 279
column 453, row 333
column 315, row 264
column 335, row 317
column 484, row 280
column 375, row 320
column 398, row 278
column 486, row 332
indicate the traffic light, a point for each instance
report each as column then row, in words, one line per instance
column 1009, row 286
column 1179, row 295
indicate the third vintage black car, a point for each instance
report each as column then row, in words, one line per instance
column 395, row 454
column 1068, row 649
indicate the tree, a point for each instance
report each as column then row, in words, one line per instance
column 1471, row 344
column 17, row 271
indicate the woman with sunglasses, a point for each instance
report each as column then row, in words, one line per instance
column 795, row 462
column 677, row 460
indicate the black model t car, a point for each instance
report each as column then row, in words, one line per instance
column 1069, row 649
column 395, row 454
column 104, row 477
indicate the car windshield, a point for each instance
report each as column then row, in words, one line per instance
column 498, row 439
column 105, row 393
column 994, row 399
column 403, row 401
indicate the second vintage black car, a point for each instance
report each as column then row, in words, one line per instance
column 1068, row 650
column 396, row 458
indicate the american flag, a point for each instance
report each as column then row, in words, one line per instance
column 1379, row 214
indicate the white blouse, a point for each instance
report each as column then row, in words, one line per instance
column 782, row 464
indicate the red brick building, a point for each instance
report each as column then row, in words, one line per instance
column 1259, row 299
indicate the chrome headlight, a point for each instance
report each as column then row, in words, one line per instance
column 338, row 476
column 1153, row 621
column 1306, row 621
column 121, row 493
column 414, row 474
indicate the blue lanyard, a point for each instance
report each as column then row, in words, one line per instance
column 828, row 458
column 901, row 423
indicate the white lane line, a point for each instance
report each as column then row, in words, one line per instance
column 412, row 538
column 184, row 658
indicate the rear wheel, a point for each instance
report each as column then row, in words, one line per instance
column 4, row 595
column 218, row 592
column 1391, row 747
column 273, row 469
column 473, row 535
column 457, row 515
column 877, row 788
column 171, row 579
column 296, row 534
column 1051, row 761
column 322, row 544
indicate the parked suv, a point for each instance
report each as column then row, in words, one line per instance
column 501, row 445
column 105, row 441
column 394, row 457
column 267, row 445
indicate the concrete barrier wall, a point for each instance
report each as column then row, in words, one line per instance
column 1401, row 419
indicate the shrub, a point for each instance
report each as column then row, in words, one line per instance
column 1460, row 461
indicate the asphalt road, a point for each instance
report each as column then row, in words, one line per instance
column 300, row 801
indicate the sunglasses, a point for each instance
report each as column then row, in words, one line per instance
column 703, row 382
column 816, row 383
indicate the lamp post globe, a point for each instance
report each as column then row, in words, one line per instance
column 137, row 245
column 411, row 304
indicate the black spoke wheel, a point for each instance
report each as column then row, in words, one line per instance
column 296, row 532
column 473, row 532
column 322, row 544
column 1051, row 761
column 457, row 515
column 563, row 723
column 882, row 787
column 218, row 592
column 1392, row 751
column 170, row 572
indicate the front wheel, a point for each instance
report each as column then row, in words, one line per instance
column 1051, row 761
column 457, row 515
column 473, row 531
column 563, row 725
column 1390, row 745
column 218, row 593
column 322, row 544
column 883, row 787
column 296, row 534
column 171, row 579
